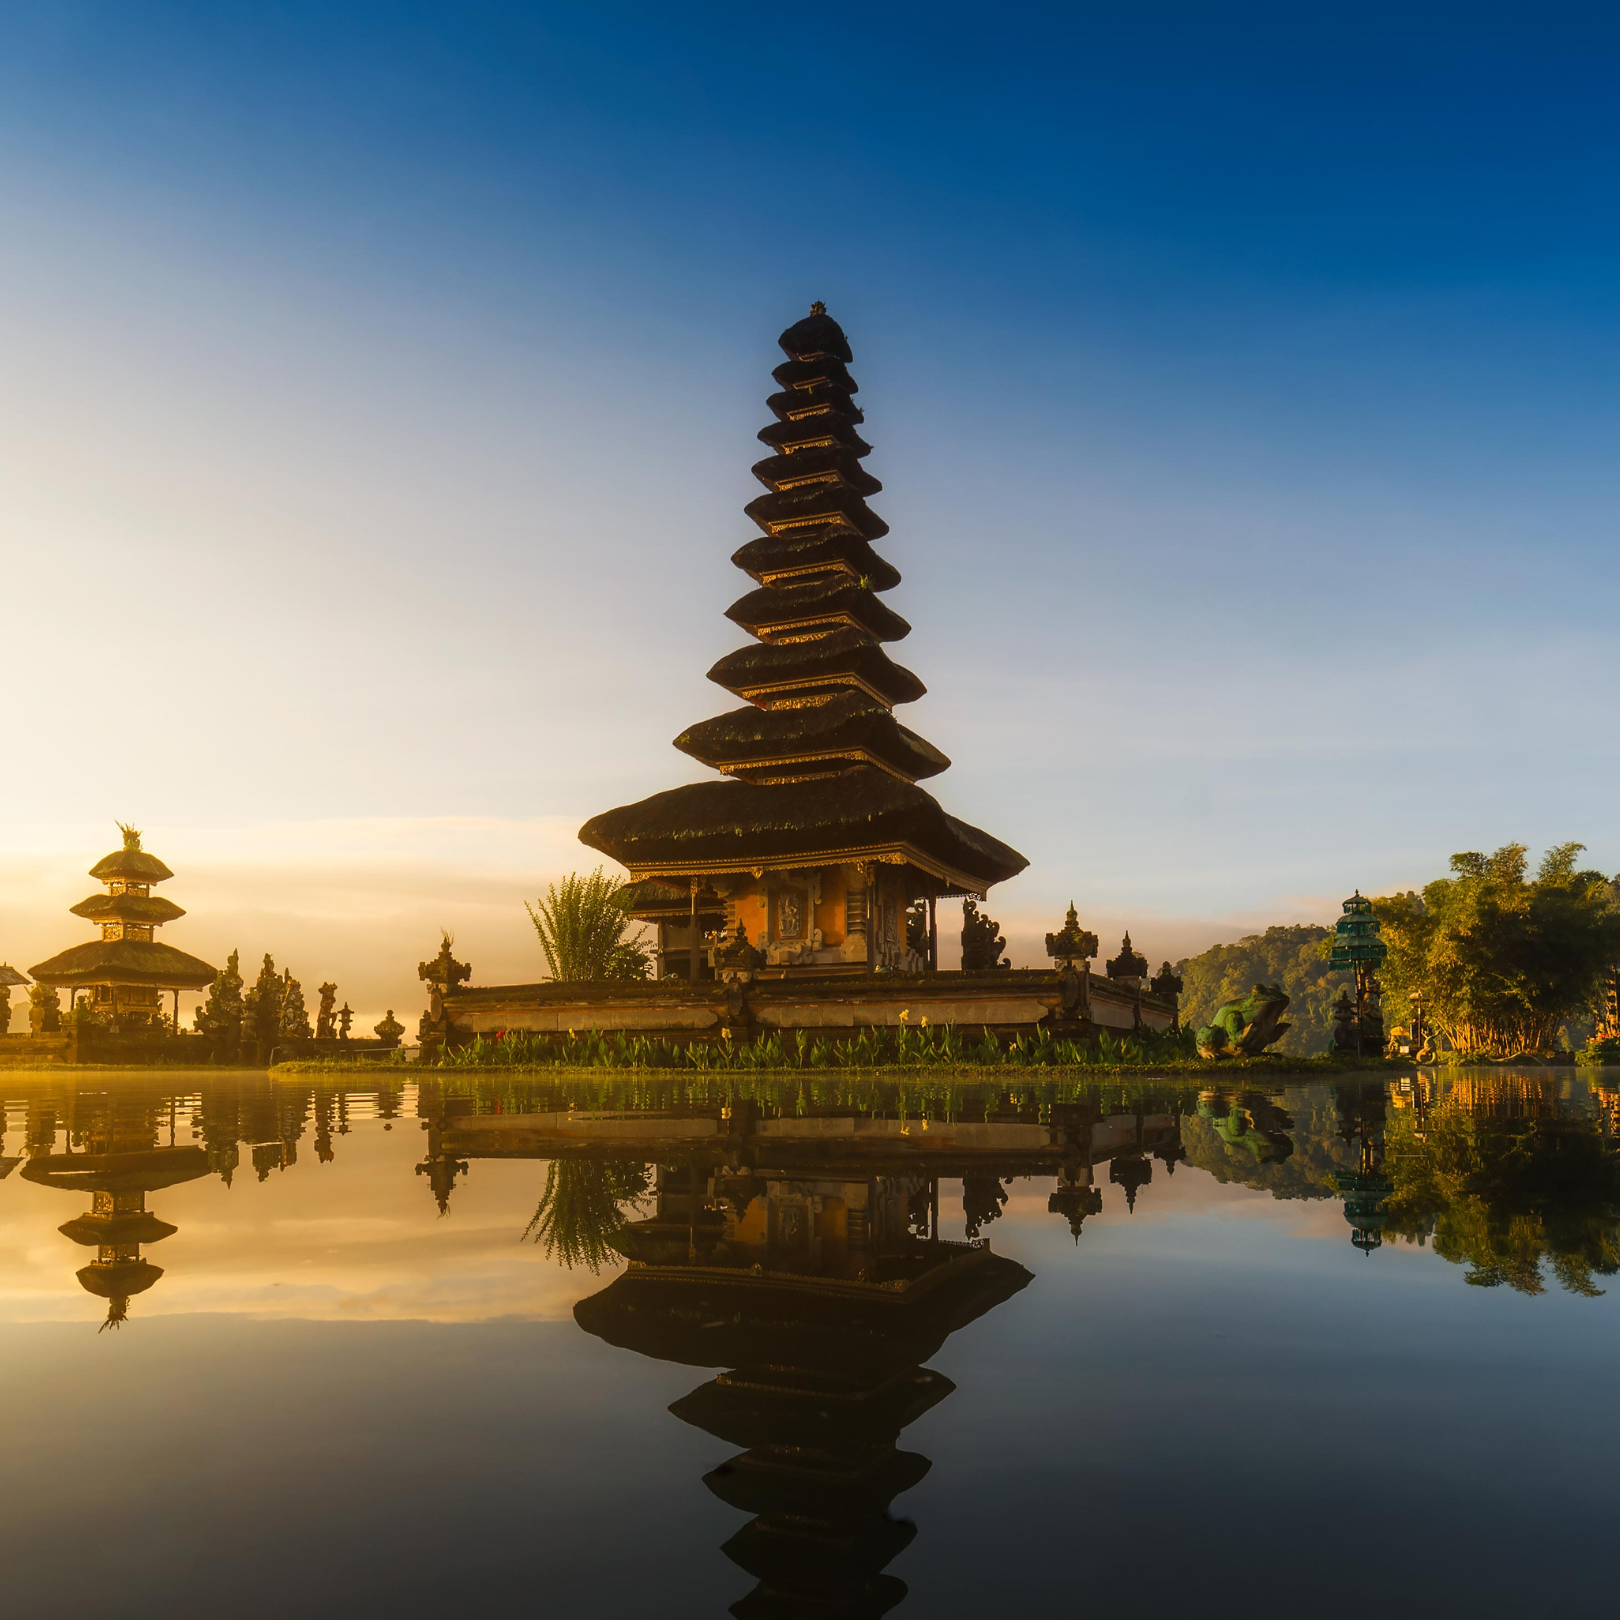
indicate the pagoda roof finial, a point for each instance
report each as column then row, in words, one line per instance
column 818, row 308
column 132, row 835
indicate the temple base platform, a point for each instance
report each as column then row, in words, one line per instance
column 1006, row 1001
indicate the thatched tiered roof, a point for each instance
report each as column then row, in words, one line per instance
column 135, row 908
column 133, row 959
column 125, row 961
column 825, row 773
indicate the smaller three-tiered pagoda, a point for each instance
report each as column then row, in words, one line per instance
column 125, row 972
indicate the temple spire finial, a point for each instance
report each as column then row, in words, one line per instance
column 818, row 308
column 132, row 836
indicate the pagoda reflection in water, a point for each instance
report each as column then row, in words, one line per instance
column 823, row 1323
column 119, row 1141
column 800, row 1252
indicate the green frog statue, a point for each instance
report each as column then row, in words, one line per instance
column 1246, row 1028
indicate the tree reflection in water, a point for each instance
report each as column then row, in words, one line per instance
column 581, row 1210
column 1507, row 1177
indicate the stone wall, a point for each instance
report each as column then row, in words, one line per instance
column 1008, row 1001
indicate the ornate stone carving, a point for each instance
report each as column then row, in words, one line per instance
column 790, row 914
column 917, row 928
column 1073, row 991
column 1166, row 983
column 324, row 1030
column 735, row 955
column 1344, row 1023
column 1071, row 940
column 1130, row 965
column 444, row 970
column 982, row 941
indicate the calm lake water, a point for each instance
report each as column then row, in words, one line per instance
column 846, row 1349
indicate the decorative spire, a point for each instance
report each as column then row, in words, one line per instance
column 1129, row 964
column 132, row 836
column 1071, row 940
column 1166, row 982
column 820, row 689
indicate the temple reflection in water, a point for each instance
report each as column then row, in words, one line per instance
column 119, row 1142
column 798, row 1247
column 786, row 1235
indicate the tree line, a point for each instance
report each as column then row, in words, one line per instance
column 1507, row 962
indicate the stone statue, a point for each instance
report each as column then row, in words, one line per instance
column 982, row 943
column 345, row 1017
column 1072, row 993
column 390, row 1030
column 1372, row 1018
column 44, row 1010
column 736, row 963
column 1344, row 1023
column 323, row 1017
column 917, row 928
column 1246, row 1028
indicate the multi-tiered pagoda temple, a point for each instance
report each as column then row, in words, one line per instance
column 125, row 972
column 821, row 839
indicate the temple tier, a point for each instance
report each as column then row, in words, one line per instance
column 126, row 971
column 822, row 840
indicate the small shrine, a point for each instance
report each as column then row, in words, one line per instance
column 819, row 842
column 125, row 973
column 1357, row 947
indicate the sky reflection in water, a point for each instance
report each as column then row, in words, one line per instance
column 1159, row 1385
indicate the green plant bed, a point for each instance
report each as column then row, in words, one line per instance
column 1206, row 1070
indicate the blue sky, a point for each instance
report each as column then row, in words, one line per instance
column 381, row 385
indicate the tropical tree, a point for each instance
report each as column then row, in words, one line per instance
column 581, row 1209
column 1503, row 959
column 582, row 926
